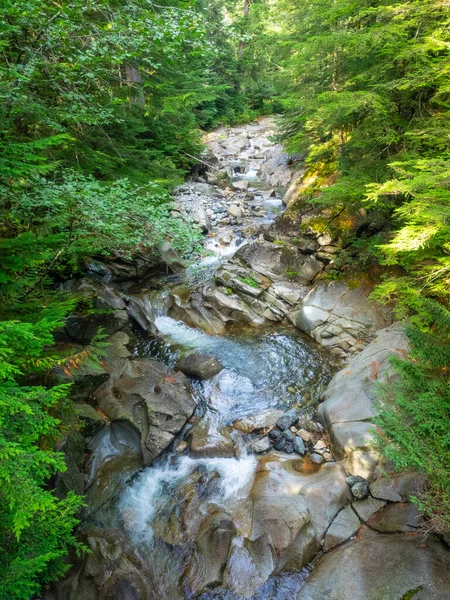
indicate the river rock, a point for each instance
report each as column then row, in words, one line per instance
column 344, row 525
column 368, row 507
column 360, row 490
column 267, row 418
column 115, row 455
column 141, row 311
column 381, row 567
column 199, row 366
column 261, row 445
column 339, row 317
column 349, row 400
column 318, row 459
column 289, row 419
column 149, row 395
column 240, row 185
column 398, row 487
column 299, row 446
column 396, row 517
column 209, row 441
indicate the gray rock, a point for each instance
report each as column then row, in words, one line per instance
column 289, row 419
column 240, row 185
column 275, row 434
column 280, row 444
column 353, row 479
column 368, row 507
column 261, row 445
column 344, row 525
column 318, row 459
column 209, row 441
column 397, row 517
column 299, row 446
column 267, row 418
column 235, row 211
column 360, row 490
column 152, row 397
column 200, row 366
column 287, row 433
column 381, row 567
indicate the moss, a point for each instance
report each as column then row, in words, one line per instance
column 249, row 281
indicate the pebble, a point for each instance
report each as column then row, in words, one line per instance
column 320, row 445
column 288, row 435
column 275, row 434
column 287, row 420
column 181, row 446
column 299, row 446
column 305, row 435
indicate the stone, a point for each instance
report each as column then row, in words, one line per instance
column 267, row 418
column 397, row 517
column 199, row 366
column 261, row 445
column 153, row 398
column 181, row 446
column 305, row 435
column 275, row 434
column 368, row 507
column 337, row 316
column 209, row 441
column 380, row 567
column 344, row 525
column 287, row 433
column 240, row 185
column 200, row 217
column 280, row 444
column 384, row 489
column 318, row 459
column 346, row 437
column 141, row 311
column 115, row 455
column 320, row 445
column 289, row 419
column 235, row 211
column 354, row 479
column 299, row 446
column 360, row 490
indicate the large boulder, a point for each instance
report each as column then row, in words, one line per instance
column 199, row 366
column 350, row 397
column 380, row 567
column 153, row 398
column 339, row 317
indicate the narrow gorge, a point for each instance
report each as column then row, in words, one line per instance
column 228, row 450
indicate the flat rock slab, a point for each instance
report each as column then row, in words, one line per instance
column 378, row 566
column 267, row 418
column 398, row 517
column 368, row 507
column 345, row 524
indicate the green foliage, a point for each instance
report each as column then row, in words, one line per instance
column 36, row 528
column 415, row 415
column 249, row 281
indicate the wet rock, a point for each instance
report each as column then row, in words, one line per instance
column 354, row 479
column 299, row 446
column 267, row 418
column 381, row 566
column 200, row 366
column 181, row 446
column 275, row 434
column 152, row 397
column 240, row 185
column 83, row 328
column 141, row 311
column 289, row 419
column 200, row 217
column 172, row 257
column 212, row 549
column 318, row 459
column 115, row 455
column 207, row 440
column 261, row 445
column 360, row 490
column 344, row 525
column 280, row 444
column 287, row 433
column 368, row 507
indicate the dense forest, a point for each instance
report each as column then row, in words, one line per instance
column 103, row 105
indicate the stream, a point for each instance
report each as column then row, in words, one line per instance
column 192, row 507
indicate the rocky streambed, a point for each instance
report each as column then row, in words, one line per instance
column 228, row 446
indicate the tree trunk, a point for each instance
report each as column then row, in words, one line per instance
column 134, row 80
